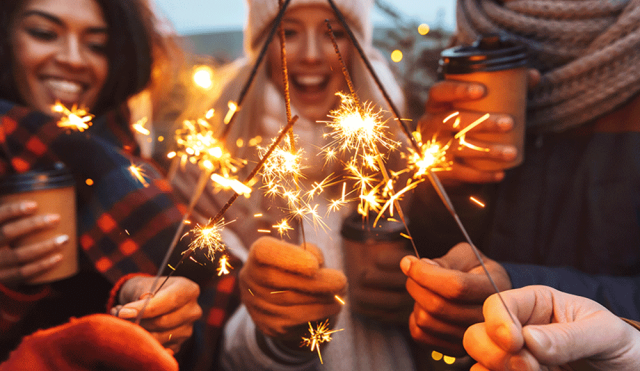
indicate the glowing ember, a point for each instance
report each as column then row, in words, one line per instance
column 321, row 334
column 75, row 118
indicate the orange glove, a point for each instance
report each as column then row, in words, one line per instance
column 95, row 342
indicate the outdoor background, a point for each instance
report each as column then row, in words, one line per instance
column 212, row 30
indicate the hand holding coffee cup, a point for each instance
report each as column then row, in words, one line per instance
column 38, row 227
column 488, row 77
column 20, row 263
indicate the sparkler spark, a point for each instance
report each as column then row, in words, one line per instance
column 224, row 265
column 321, row 334
column 139, row 174
column 76, row 118
column 139, row 126
column 208, row 238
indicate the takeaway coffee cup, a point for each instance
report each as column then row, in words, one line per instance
column 500, row 64
column 362, row 242
column 54, row 192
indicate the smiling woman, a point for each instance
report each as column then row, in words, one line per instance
column 96, row 53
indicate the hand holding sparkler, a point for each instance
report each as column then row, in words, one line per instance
column 449, row 292
column 284, row 287
column 169, row 315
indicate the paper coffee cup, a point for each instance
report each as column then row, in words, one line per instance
column 54, row 192
column 501, row 66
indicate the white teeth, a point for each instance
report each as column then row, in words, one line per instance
column 65, row 86
column 310, row 80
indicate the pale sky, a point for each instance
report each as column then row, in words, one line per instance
column 194, row 16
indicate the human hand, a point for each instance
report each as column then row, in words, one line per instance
column 376, row 282
column 553, row 329
column 171, row 312
column 19, row 263
column 95, row 342
column 449, row 292
column 443, row 96
column 285, row 286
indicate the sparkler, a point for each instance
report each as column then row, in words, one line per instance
column 213, row 221
column 430, row 173
column 364, row 129
column 76, row 118
column 321, row 334
column 139, row 174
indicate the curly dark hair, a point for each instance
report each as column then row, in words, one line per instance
column 129, row 51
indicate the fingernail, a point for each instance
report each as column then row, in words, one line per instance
column 61, row 239
column 505, row 123
column 28, row 206
column 55, row 258
column 475, row 91
column 429, row 261
column 51, row 218
column 509, row 152
column 504, row 334
column 127, row 313
column 498, row 176
column 537, row 336
column 516, row 363
column 405, row 264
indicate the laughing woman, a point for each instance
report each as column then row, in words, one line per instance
column 97, row 54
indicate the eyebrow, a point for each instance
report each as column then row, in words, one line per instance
column 58, row 21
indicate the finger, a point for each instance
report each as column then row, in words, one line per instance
column 478, row 149
column 452, row 331
column 285, row 297
column 460, row 257
column 173, row 338
column 272, row 252
column 24, row 226
column 443, row 308
column 25, row 272
column 449, row 284
column 448, row 91
column 14, row 210
column 177, row 293
column 533, row 78
column 467, row 123
column 446, row 347
column 279, row 321
column 185, row 315
column 24, row 254
column 315, row 251
column 480, row 347
column 325, row 281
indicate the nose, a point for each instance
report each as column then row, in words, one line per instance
column 71, row 53
column 313, row 47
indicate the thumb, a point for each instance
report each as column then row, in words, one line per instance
column 560, row 343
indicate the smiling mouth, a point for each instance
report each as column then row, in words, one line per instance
column 66, row 91
column 310, row 84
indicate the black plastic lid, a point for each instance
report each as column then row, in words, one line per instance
column 58, row 177
column 356, row 229
column 489, row 53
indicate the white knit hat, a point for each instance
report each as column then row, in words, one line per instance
column 261, row 14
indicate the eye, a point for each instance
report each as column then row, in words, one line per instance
column 42, row 34
column 339, row 34
column 289, row 32
column 98, row 48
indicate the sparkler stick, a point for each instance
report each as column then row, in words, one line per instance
column 367, row 63
column 381, row 164
column 287, row 102
column 447, row 202
column 432, row 176
column 214, row 220
column 243, row 93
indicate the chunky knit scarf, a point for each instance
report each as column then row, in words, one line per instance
column 588, row 52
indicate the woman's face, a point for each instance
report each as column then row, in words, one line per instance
column 59, row 52
column 315, row 73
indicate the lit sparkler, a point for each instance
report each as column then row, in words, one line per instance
column 76, row 118
column 224, row 265
column 139, row 174
column 208, row 238
column 321, row 334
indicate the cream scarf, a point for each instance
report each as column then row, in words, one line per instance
column 588, row 52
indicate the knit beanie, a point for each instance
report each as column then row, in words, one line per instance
column 262, row 13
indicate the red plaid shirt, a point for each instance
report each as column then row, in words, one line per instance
column 123, row 226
